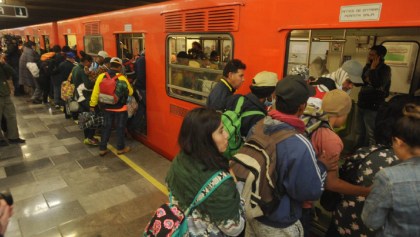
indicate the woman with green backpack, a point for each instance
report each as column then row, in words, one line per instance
column 201, row 170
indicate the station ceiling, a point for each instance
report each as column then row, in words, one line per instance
column 42, row 11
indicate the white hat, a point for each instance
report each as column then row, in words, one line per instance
column 116, row 60
column 103, row 54
column 354, row 69
column 265, row 78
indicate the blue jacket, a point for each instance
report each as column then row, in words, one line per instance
column 299, row 172
column 392, row 206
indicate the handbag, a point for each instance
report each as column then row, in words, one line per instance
column 91, row 120
column 169, row 220
column 132, row 106
column 73, row 106
column 67, row 88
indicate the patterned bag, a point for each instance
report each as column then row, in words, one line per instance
column 90, row 120
column 170, row 221
column 132, row 106
column 67, row 89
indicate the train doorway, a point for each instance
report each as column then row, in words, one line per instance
column 46, row 44
column 70, row 40
column 129, row 48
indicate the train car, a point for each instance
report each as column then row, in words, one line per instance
column 44, row 35
column 267, row 35
column 274, row 36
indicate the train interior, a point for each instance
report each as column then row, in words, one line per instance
column 339, row 45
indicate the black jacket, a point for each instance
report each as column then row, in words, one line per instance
column 376, row 86
column 219, row 95
column 251, row 103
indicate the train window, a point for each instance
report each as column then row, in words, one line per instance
column 131, row 43
column 93, row 44
column 325, row 50
column 195, row 64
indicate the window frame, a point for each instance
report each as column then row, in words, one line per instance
column 219, row 37
column 89, row 38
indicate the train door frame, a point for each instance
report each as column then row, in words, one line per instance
column 130, row 40
column 128, row 43
column 68, row 41
column 46, row 43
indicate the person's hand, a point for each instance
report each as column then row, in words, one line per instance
column 375, row 62
column 331, row 162
column 5, row 214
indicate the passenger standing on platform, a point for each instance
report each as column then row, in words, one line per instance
column 65, row 69
column 116, row 111
column 25, row 76
column 7, row 108
column 377, row 81
column 393, row 205
column 56, row 75
column 233, row 77
column 302, row 176
column 79, row 77
column 6, row 212
column 262, row 88
column 202, row 140
column 140, row 86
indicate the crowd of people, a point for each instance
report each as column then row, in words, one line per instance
column 41, row 77
column 377, row 197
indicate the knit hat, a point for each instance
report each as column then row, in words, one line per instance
column 336, row 102
column 103, row 54
column 294, row 90
column 265, row 79
column 354, row 70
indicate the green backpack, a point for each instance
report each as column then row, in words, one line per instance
column 232, row 123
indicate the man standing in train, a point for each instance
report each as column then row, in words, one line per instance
column 233, row 77
column 377, row 81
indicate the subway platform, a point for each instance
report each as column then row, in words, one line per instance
column 62, row 187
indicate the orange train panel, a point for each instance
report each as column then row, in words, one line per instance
column 259, row 31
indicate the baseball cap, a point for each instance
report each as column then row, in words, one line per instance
column 103, row 54
column 294, row 90
column 70, row 55
column 116, row 60
column 354, row 69
column 265, row 79
column 336, row 102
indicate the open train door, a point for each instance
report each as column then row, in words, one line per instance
column 130, row 48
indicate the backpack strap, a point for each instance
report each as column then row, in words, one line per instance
column 239, row 104
column 211, row 185
column 113, row 78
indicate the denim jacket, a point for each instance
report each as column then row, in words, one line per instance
column 394, row 202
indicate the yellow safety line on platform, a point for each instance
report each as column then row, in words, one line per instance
column 141, row 171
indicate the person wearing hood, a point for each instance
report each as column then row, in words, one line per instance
column 349, row 74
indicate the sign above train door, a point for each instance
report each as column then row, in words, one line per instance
column 362, row 12
column 13, row 11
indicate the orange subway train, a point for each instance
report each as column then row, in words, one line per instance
column 267, row 35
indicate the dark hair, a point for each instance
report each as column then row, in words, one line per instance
column 262, row 91
column 214, row 54
column 129, row 55
column 387, row 116
column 195, row 137
column 325, row 81
column 66, row 48
column 284, row 107
column 86, row 57
column 407, row 128
column 380, row 50
column 56, row 48
column 233, row 66
column 182, row 54
column 107, row 60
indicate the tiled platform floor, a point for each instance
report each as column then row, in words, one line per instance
column 64, row 188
